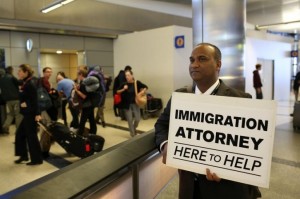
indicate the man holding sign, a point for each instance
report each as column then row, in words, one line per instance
column 204, row 68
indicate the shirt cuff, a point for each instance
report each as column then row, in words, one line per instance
column 162, row 145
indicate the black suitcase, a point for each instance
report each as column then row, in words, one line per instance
column 154, row 105
column 296, row 116
column 75, row 144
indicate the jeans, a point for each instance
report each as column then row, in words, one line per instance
column 133, row 116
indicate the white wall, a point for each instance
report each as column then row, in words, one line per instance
column 272, row 50
column 154, row 59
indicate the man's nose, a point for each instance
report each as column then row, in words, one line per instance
column 195, row 64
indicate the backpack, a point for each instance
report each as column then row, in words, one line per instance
column 97, row 89
column 44, row 100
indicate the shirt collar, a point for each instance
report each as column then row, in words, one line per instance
column 209, row 91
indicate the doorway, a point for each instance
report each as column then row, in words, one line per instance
column 66, row 62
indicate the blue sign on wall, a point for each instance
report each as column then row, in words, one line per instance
column 294, row 53
column 179, row 41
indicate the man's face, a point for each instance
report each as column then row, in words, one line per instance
column 203, row 66
column 47, row 73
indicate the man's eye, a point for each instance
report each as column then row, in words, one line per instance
column 192, row 60
column 203, row 59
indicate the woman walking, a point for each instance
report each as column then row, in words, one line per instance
column 132, row 110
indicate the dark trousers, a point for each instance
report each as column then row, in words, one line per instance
column 75, row 115
column 64, row 103
column 87, row 114
column 26, row 135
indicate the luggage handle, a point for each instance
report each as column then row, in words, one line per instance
column 44, row 127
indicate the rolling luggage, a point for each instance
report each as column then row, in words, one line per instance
column 296, row 115
column 75, row 144
column 152, row 108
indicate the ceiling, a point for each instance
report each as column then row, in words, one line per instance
column 109, row 18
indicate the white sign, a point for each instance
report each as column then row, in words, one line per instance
column 233, row 137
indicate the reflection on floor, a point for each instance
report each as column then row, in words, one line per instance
column 285, row 173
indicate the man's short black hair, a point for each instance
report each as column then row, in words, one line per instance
column 218, row 54
column 46, row 68
column 127, row 68
column 257, row 66
column 9, row 69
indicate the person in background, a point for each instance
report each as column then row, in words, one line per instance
column 204, row 68
column 26, row 136
column 53, row 110
column 296, row 86
column 127, row 91
column 48, row 115
column 64, row 101
column 87, row 112
column 118, row 81
column 257, row 82
column 9, row 86
column 2, row 106
column 100, row 109
column 65, row 87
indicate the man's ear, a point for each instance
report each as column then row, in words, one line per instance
column 219, row 64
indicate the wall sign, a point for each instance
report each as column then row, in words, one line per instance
column 179, row 41
column 294, row 53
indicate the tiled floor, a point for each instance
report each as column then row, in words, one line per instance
column 285, row 173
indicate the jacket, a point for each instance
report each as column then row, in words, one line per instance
column 28, row 95
column 9, row 86
column 256, row 79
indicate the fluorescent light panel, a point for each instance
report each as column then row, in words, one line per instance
column 285, row 25
column 55, row 5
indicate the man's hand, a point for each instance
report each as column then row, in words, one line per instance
column 38, row 118
column 212, row 176
column 164, row 153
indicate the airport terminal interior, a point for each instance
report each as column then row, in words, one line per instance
column 285, row 170
column 29, row 34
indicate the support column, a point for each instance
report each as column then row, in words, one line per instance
column 222, row 23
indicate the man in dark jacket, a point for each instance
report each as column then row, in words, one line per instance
column 296, row 86
column 257, row 82
column 205, row 64
column 9, row 86
column 2, row 106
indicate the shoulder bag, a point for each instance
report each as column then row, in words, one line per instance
column 140, row 97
